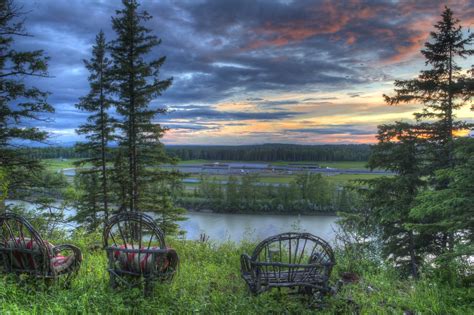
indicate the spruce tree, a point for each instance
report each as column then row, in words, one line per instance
column 20, row 104
column 418, row 152
column 442, row 88
column 99, row 131
column 136, row 75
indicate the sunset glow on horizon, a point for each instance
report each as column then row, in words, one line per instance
column 251, row 72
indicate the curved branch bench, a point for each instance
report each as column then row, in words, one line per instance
column 137, row 252
column 23, row 251
column 291, row 260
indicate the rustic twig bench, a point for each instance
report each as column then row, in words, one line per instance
column 137, row 252
column 23, row 251
column 292, row 260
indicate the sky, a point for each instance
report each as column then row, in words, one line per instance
column 252, row 71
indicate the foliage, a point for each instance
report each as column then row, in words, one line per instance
column 441, row 88
column 160, row 197
column 20, row 104
column 88, row 201
column 306, row 193
column 452, row 206
column 355, row 155
column 99, row 132
column 46, row 200
column 273, row 152
column 136, row 83
column 413, row 229
column 3, row 188
column 390, row 199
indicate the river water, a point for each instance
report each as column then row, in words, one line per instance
column 221, row 227
column 236, row 227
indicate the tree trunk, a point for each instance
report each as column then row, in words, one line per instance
column 413, row 262
column 102, row 149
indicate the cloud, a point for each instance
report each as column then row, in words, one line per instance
column 336, row 130
column 213, row 115
column 190, row 126
column 283, row 59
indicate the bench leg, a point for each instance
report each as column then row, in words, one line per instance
column 148, row 287
column 113, row 281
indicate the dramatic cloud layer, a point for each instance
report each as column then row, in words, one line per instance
column 252, row 71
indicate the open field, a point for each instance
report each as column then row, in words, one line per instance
column 340, row 179
column 332, row 164
column 58, row 164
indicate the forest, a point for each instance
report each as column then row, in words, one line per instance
column 263, row 152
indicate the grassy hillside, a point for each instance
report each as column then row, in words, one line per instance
column 208, row 282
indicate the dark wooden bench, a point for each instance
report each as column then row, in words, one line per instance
column 23, row 251
column 137, row 252
column 293, row 260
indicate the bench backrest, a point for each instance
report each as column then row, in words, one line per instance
column 295, row 249
column 133, row 241
column 136, row 229
column 21, row 247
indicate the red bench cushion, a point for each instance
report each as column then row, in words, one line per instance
column 142, row 262
column 33, row 261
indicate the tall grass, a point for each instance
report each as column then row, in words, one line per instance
column 208, row 282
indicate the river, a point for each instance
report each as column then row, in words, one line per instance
column 221, row 227
column 236, row 227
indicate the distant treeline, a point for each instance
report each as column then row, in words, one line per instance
column 264, row 152
column 273, row 152
column 54, row 153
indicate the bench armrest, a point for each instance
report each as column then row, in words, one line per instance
column 77, row 252
column 245, row 263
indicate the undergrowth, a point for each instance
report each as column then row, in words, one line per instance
column 208, row 282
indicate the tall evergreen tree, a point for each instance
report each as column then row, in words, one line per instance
column 441, row 88
column 20, row 104
column 99, row 131
column 137, row 82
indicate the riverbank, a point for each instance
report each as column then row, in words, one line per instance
column 308, row 214
column 208, row 282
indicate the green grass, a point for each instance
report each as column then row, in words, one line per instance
column 332, row 164
column 208, row 282
column 58, row 164
column 196, row 162
column 344, row 164
column 263, row 179
column 342, row 179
